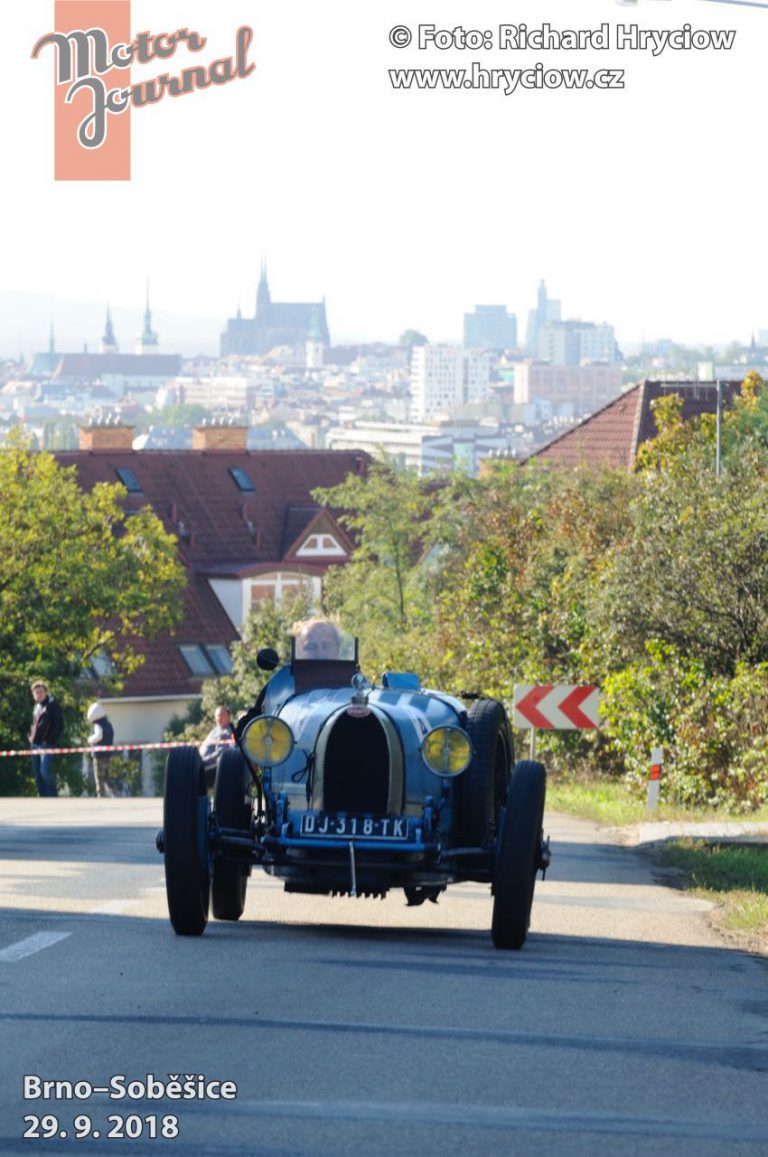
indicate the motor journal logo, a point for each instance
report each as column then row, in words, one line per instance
column 93, row 51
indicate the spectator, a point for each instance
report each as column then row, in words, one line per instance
column 219, row 737
column 45, row 733
column 103, row 735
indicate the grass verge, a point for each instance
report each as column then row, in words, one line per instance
column 610, row 802
column 732, row 876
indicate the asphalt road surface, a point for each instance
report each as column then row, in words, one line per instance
column 362, row 1026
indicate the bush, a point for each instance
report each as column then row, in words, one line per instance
column 712, row 729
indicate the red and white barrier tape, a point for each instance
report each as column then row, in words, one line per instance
column 114, row 747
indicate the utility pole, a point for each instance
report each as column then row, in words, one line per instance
column 719, row 427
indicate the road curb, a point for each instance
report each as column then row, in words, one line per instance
column 651, row 834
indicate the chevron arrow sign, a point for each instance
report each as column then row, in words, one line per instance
column 557, row 707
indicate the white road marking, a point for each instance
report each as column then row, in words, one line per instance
column 30, row 945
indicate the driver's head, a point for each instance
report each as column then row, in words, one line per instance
column 317, row 639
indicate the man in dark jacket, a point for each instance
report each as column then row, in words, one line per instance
column 45, row 733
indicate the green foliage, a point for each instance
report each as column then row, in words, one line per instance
column 653, row 584
column 710, row 727
column 513, row 607
column 384, row 594
column 693, row 571
column 412, row 337
column 77, row 578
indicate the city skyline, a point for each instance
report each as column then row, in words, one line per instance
column 76, row 325
column 406, row 209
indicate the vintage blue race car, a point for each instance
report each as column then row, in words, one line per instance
column 339, row 787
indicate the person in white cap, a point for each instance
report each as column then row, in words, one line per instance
column 218, row 738
column 103, row 735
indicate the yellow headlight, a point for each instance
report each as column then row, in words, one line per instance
column 267, row 741
column 446, row 751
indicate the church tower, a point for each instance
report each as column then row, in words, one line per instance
column 147, row 342
column 313, row 347
column 108, row 343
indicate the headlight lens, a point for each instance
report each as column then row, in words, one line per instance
column 267, row 741
column 446, row 751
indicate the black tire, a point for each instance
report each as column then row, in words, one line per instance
column 229, row 879
column 481, row 790
column 185, row 834
column 517, row 858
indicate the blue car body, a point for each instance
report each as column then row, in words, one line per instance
column 339, row 787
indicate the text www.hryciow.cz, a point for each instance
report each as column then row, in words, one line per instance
column 508, row 80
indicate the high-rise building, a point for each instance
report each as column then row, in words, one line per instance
column 444, row 377
column 575, row 343
column 547, row 310
column 490, row 327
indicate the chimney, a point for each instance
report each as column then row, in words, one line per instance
column 233, row 438
column 106, row 437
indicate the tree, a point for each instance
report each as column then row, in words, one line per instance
column 531, row 541
column 412, row 337
column 693, row 571
column 382, row 594
column 78, row 578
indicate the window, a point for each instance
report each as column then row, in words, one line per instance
column 271, row 588
column 320, row 544
column 128, row 479
column 241, row 479
column 101, row 666
column 197, row 660
column 220, row 658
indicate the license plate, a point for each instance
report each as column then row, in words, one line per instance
column 351, row 827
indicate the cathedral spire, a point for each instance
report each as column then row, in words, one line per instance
column 108, row 343
column 263, row 298
column 52, row 341
column 147, row 342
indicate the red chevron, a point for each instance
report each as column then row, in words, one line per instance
column 529, row 707
column 571, row 704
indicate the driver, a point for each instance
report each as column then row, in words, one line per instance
column 317, row 639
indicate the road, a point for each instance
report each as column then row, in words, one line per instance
column 362, row 1026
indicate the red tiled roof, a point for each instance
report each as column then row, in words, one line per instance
column 612, row 436
column 221, row 530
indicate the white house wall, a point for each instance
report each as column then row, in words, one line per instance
column 232, row 594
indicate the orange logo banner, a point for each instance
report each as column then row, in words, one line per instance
column 76, row 113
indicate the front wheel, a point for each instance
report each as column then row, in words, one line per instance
column 482, row 789
column 518, row 855
column 230, row 879
column 185, row 836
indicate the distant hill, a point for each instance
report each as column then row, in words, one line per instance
column 25, row 320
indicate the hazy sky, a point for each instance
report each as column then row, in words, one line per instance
column 644, row 207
